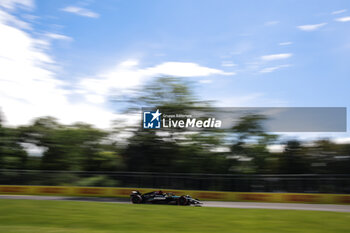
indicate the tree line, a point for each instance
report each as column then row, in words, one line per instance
column 240, row 150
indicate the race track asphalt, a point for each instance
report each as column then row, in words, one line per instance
column 242, row 205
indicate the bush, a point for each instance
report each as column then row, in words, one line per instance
column 100, row 181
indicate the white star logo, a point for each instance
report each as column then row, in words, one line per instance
column 156, row 115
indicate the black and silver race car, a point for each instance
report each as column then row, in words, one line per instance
column 159, row 197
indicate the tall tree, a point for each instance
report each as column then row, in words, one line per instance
column 168, row 150
column 72, row 147
column 250, row 143
column 294, row 160
column 12, row 154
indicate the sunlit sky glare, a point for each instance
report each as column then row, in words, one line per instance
column 66, row 58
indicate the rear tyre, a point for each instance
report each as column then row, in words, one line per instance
column 182, row 201
column 136, row 199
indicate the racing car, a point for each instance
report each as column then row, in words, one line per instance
column 159, row 197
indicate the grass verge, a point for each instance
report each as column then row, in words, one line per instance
column 31, row 216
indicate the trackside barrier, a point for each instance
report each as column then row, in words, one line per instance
column 202, row 195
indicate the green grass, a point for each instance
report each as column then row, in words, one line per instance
column 32, row 216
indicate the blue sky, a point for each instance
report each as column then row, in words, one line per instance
column 239, row 53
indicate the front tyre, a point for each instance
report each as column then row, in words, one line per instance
column 136, row 199
column 182, row 201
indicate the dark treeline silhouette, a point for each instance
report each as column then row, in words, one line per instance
column 82, row 147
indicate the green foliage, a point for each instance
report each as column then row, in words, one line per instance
column 72, row 147
column 249, row 145
column 176, row 150
column 12, row 155
column 101, row 180
column 82, row 147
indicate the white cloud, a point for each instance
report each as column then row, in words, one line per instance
column 9, row 19
column 285, row 43
column 273, row 68
column 271, row 23
column 22, row 90
column 279, row 56
column 339, row 12
column 33, row 149
column 345, row 140
column 276, row 148
column 228, row 64
column 311, row 27
column 12, row 4
column 221, row 149
column 81, row 11
column 205, row 81
column 269, row 69
column 129, row 63
column 95, row 99
column 184, row 69
column 308, row 137
column 128, row 75
column 58, row 36
column 29, row 89
column 343, row 19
